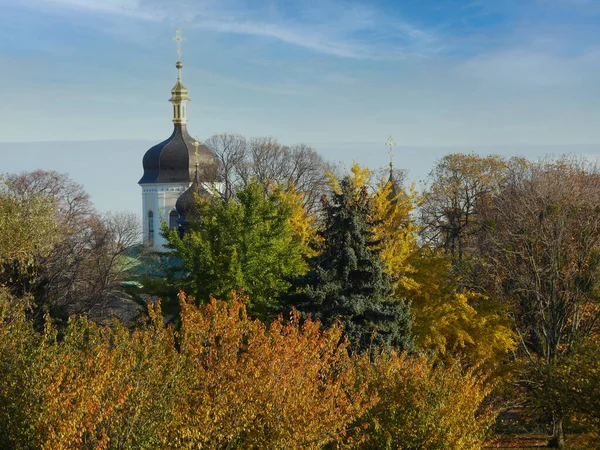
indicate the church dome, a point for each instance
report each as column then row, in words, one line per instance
column 173, row 160
column 186, row 203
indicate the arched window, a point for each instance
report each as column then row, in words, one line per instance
column 173, row 218
column 151, row 227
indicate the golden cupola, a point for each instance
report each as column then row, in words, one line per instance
column 179, row 98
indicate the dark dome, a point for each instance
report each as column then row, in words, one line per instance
column 173, row 160
column 186, row 203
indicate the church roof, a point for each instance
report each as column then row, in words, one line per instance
column 186, row 203
column 173, row 160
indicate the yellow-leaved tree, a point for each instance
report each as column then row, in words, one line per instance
column 395, row 231
column 451, row 321
column 222, row 380
column 455, row 322
column 425, row 405
column 303, row 222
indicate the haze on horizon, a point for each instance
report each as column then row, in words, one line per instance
column 85, row 83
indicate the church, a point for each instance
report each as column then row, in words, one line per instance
column 175, row 170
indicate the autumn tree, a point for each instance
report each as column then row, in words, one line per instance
column 267, row 161
column 347, row 279
column 570, row 386
column 252, row 243
column 456, row 322
column 28, row 232
column 451, row 321
column 81, row 258
column 231, row 152
column 278, row 386
column 425, row 405
column 222, row 381
column 394, row 229
column 458, row 184
column 104, row 265
column 541, row 254
column 73, row 205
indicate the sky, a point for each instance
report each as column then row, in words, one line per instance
column 84, row 84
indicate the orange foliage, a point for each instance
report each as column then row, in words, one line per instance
column 285, row 386
column 221, row 381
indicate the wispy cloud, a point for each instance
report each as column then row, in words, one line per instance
column 333, row 27
column 516, row 68
column 538, row 57
column 128, row 8
column 300, row 36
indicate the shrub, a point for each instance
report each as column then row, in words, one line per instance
column 221, row 381
column 425, row 406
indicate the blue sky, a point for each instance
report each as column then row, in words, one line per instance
column 84, row 83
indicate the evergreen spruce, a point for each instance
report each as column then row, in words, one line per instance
column 347, row 282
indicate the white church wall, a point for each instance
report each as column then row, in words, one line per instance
column 160, row 199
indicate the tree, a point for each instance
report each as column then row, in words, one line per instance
column 73, row 204
column 425, row 405
column 267, row 161
column 231, row 151
column 253, row 243
column 81, row 257
column 283, row 386
column 452, row 322
column 347, row 281
column 221, row 381
column 28, row 232
column 394, row 229
column 458, row 184
column 571, row 386
column 541, row 253
column 103, row 265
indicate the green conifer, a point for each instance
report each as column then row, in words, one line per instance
column 347, row 281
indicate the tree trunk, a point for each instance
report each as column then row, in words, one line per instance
column 558, row 436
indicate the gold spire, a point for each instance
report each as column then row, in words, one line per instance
column 391, row 144
column 197, row 144
column 179, row 93
column 393, row 196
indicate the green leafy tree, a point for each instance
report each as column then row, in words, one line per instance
column 253, row 244
column 347, row 281
column 28, row 232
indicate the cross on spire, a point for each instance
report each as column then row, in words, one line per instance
column 197, row 144
column 178, row 38
column 391, row 144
